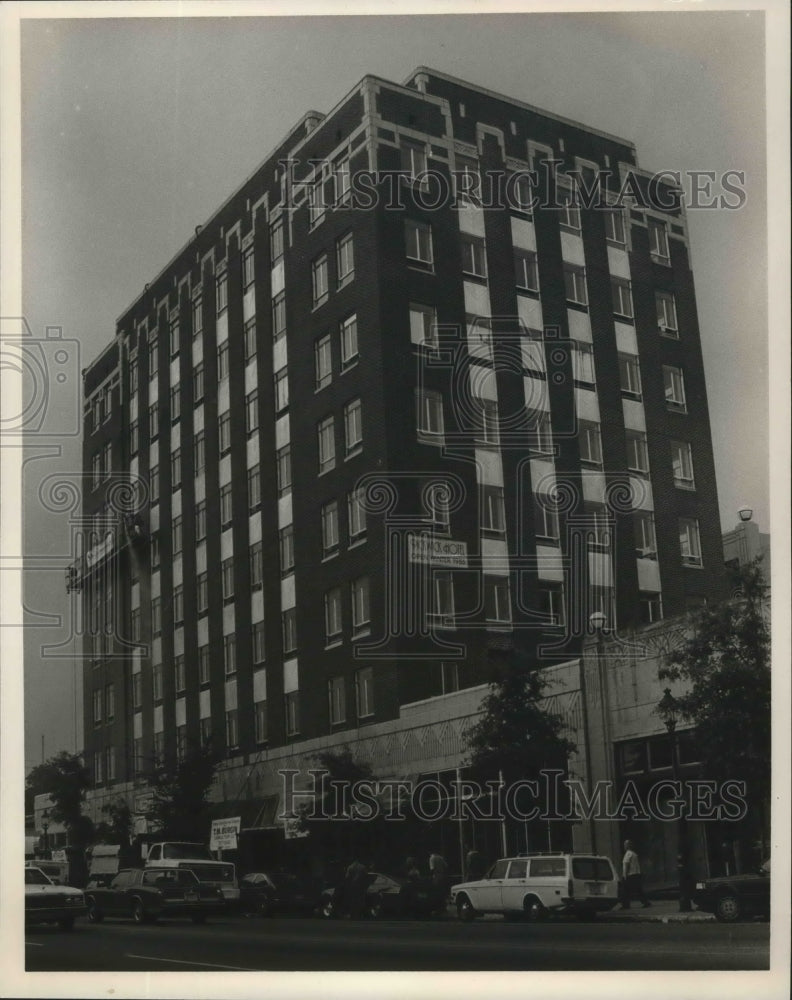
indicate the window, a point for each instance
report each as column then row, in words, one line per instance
column 137, row 690
column 153, row 421
column 134, row 437
column 224, row 432
column 637, row 453
column 222, row 361
column 107, row 459
column 254, row 489
column 546, row 518
column 156, row 681
column 658, row 239
column 526, row 271
column 497, row 600
column 133, row 374
column 449, row 677
column 540, row 434
column 674, row 387
column 248, row 270
column 575, row 284
column 436, row 500
column 349, row 341
column 258, row 642
column 614, row 227
column 198, row 382
column 200, row 521
column 178, row 605
column 319, row 282
column 583, row 364
column 159, row 748
column 323, row 361
column 229, row 654
column 364, row 692
column 176, row 469
column 174, row 335
column 630, row 375
column 486, row 414
column 221, row 289
column 551, row 603
column 97, row 706
column 276, row 241
column 682, row 463
column 249, row 339
column 256, row 566
column 287, row 548
column 430, row 415
column 316, row 202
column 153, row 357
column 156, row 616
column 203, row 665
column 413, row 161
column 467, row 180
column 689, row 541
column 202, row 592
column 569, row 217
column 590, row 444
column 473, row 257
column 177, row 540
column 645, row 540
column 96, row 469
column 181, row 742
column 205, row 731
column 357, row 516
column 260, row 715
column 281, row 390
column 227, row 568
column 326, row 436
column 98, row 778
column 621, row 296
column 418, row 239
column 329, row 528
column 154, row 478
column 283, row 458
column 197, row 315
column 226, row 506
column 251, row 411
column 361, row 617
column 353, row 426
column 289, row 630
column 345, row 260
column 155, row 550
column 520, row 192
column 279, row 316
column 179, row 673
column 336, row 697
column 651, row 607
column 342, row 179
column 292, row 713
column 442, row 598
column 597, row 525
column 332, row 608
column 232, row 728
column 423, row 325
column 666, row 314
column 493, row 517
column 199, row 452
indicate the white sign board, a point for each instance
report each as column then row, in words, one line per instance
column 59, row 856
column 224, row 834
column 436, row 551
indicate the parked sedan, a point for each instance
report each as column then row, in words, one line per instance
column 48, row 903
column 144, row 894
column 277, row 892
column 732, row 897
column 385, row 896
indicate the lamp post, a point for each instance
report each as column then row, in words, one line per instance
column 667, row 710
column 45, row 827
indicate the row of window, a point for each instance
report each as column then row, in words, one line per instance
column 345, row 269
column 353, row 436
column 323, row 351
column 104, row 704
column 101, row 464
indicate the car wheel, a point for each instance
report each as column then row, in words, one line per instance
column 465, row 909
column 198, row 918
column 374, row 907
column 66, row 923
column 95, row 915
column 328, row 909
column 534, row 911
column 727, row 908
column 139, row 912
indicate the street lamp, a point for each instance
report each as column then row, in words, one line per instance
column 668, row 711
column 45, row 827
column 746, row 513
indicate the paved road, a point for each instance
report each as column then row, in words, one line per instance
column 231, row 943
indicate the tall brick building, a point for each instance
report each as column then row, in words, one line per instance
column 404, row 401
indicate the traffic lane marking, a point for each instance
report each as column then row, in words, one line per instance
column 184, row 961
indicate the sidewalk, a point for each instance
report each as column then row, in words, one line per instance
column 661, row 911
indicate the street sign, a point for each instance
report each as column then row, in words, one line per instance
column 224, row 834
column 436, row 551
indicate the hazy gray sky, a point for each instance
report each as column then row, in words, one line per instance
column 135, row 131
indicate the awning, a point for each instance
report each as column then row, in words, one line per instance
column 256, row 814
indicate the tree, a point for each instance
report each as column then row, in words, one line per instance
column 66, row 779
column 724, row 666
column 117, row 828
column 180, row 795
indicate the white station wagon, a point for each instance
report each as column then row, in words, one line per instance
column 533, row 886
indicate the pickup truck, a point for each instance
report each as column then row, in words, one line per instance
column 198, row 859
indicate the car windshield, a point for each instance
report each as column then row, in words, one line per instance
column 186, row 852
column 34, row 876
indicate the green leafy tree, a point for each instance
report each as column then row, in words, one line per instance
column 117, row 828
column 66, row 779
column 180, row 795
column 724, row 668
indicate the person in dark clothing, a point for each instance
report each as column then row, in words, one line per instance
column 355, row 884
column 631, row 873
column 474, row 864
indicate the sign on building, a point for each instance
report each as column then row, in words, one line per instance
column 436, row 551
column 225, row 833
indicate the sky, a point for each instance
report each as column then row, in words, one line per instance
column 135, row 130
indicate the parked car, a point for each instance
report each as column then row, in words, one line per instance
column 732, row 897
column 144, row 894
column 385, row 896
column 536, row 885
column 271, row 892
column 47, row 903
column 56, row 871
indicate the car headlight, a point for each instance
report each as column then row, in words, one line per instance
column 700, row 885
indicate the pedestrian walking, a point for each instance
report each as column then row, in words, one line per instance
column 438, row 872
column 632, row 879
column 355, row 885
column 410, row 870
column 474, row 863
